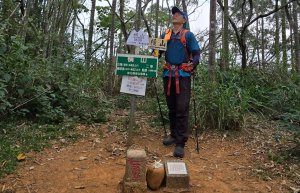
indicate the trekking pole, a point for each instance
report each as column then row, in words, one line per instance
column 195, row 115
column 161, row 114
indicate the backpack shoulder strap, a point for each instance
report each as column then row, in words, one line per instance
column 168, row 34
column 182, row 37
column 188, row 56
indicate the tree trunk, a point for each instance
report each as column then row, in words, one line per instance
column 138, row 18
column 283, row 37
column 88, row 55
column 111, row 48
column 45, row 28
column 257, row 39
column 225, row 38
column 106, row 50
column 296, row 37
column 277, row 49
column 62, row 29
column 54, row 7
column 73, row 27
column 290, row 19
column 123, row 27
column 156, row 18
column 83, row 34
column 25, row 18
column 151, row 20
column 262, row 43
column 243, row 48
column 240, row 33
column 120, row 47
column 212, row 41
column 184, row 7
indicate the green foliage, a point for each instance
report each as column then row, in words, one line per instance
column 223, row 104
column 104, row 17
column 163, row 17
column 44, row 92
column 151, row 106
column 86, row 99
column 121, row 101
column 274, row 93
column 48, row 90
column 21, row 138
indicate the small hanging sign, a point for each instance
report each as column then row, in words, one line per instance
column 158, row 43
column 139, row 38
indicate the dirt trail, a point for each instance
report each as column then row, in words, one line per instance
column 226, row 163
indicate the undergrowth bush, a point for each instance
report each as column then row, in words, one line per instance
column 48, row 90
column 222, row 104
column 39, row 95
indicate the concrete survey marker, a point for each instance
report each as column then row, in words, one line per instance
column 135, row 172
column 177, row 175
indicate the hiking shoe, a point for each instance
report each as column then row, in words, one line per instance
column 179, row 151
column 169, row 140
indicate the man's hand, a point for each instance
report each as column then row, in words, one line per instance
column 155, row 53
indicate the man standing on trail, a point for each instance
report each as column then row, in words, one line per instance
column 182, row 57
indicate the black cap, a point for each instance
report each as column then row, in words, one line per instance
column 177, row 10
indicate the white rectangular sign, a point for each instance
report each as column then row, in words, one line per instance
column 176, row 168
column 134, row 85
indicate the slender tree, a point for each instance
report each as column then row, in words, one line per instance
column 240, row 32
column 53, row 14
column 123, row 25
column 88, row 55
column 212, row 40
column 225, row 37
column 111, row 48
column 257, row 37
column 73, row 26
column 283, row 38
column 156, row 18
column 291, row 25
column 25, row 18
column 276, row 47
column 263, row 43
column 63, row 22
column 184, row 6
column 296, row 36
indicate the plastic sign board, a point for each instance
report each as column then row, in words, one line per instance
column 158, row 43
column 136, row 65
column 176, row 168
column 139, row 38
column 134, row 85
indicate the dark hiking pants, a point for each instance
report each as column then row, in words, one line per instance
column 178, row 105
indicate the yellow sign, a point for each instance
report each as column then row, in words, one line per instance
column 158, row 43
